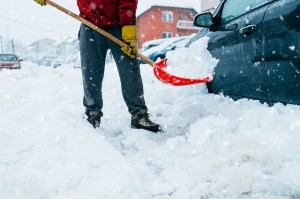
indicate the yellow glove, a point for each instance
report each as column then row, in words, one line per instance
column 41, row 2
column 129, row 37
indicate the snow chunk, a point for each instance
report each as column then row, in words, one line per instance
column 193, row 62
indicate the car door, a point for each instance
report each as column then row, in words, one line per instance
column 236, row 41
column 282, row 50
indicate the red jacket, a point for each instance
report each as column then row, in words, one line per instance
column 107, row 13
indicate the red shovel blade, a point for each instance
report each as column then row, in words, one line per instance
column 172, row 79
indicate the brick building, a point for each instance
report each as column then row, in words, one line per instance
column 164, row 21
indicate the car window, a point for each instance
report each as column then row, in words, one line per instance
column 8, row 58
column 235, row 8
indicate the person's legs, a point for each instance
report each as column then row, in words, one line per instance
column 130, row 76
column 132, row 87
column 93, row 53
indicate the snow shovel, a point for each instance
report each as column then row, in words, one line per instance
column 158, row 68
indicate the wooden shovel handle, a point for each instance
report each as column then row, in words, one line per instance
column 94, row 27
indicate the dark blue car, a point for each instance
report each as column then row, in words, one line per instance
column 258, row 45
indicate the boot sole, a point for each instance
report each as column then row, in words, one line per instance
column 147, row 129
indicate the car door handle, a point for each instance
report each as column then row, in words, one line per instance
column 247, row 29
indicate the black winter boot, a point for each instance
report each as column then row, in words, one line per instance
column 142, row 121
column 93, row 118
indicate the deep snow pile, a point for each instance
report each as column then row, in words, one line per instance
column 211, row 147
column 193, row 62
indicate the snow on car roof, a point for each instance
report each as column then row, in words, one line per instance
column 155, row 41
column 165, row 44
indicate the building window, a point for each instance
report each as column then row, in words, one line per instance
column 166, row 34
column 167, row 16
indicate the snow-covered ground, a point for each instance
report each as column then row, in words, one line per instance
column 211, row 147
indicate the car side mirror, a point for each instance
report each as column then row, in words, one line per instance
column 203, row 20
column 20, row 59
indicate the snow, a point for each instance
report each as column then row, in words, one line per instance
column 193, row 62
column 211, row 147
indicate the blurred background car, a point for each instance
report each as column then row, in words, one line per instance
column 152, row 43
column 46, row 61
column 10, row 61
column 257, row 43
column 56, row 63
column 159, row 52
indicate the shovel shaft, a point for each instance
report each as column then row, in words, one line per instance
column 96, row 28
